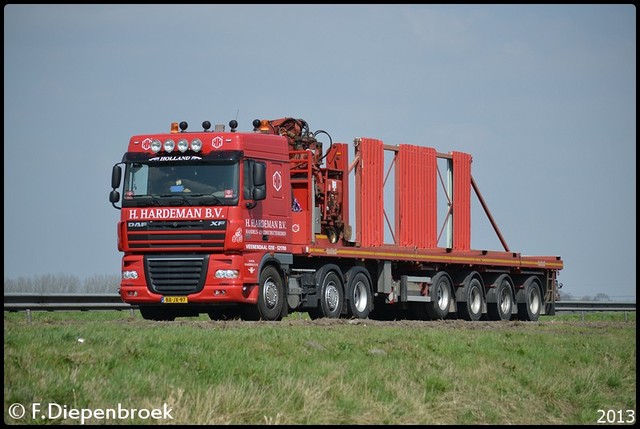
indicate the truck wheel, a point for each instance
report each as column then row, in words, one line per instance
column 472, row 308
column 331, row 296
column 156, row 312
column 440, row 293
column 530, row 308
column 359, row 295
column 502, row 308
column 271, row 297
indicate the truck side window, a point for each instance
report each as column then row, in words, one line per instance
column 247, row 187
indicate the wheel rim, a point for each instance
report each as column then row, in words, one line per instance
column 442, row 296
column 331, row 296
column 534, row 301
column 476, row 301
column 505, row 301
column 270, row 293
column 360, row 296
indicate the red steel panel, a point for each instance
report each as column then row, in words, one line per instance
column 416, row 196
column 369, row 201
column 461, row 200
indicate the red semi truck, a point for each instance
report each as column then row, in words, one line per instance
column 257, row 225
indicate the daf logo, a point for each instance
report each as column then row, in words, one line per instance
column 136, row 224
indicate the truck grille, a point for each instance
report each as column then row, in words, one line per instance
column 178, row 275
column 173, row 235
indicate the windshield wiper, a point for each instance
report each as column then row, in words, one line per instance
column 144, row 200
column 183, row 199
column 205, row 199
column 194, row 199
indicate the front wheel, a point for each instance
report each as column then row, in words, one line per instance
column 271, row 297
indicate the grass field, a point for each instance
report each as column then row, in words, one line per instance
column 114, row 367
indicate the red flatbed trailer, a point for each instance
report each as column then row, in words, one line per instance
column 277, row 239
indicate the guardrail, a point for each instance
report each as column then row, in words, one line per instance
column 29, row 302
column 93, row 301
column 565, row 306
column 63, row 301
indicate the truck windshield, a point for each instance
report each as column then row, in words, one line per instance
column 152, row 183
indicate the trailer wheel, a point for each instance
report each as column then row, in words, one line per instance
column 531, row 306
column 359, row 295
column 331, row 297
column 156, row 312
column 440, row 293
column 271, row 297
column 502, row 308
column 472, row 308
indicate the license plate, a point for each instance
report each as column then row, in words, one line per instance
column 175, row 299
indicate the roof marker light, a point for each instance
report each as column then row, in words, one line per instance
column 264, row 126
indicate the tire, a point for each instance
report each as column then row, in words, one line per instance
column 359, row 296
column 440, row 293
column 503, row 307
column 331, row 298
column 531, row 306
column 271, row 297
column 157, row 312
column 472, row 309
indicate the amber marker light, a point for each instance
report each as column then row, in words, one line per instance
column 264, row 126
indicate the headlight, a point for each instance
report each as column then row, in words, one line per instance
column 196, row 145
column 129, row 275
column 156, row 145
column 183, row 145
column 227, row 274
column 169, row 145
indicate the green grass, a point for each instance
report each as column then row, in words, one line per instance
column 560, row 370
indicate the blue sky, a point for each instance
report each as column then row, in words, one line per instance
column 542, row 96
